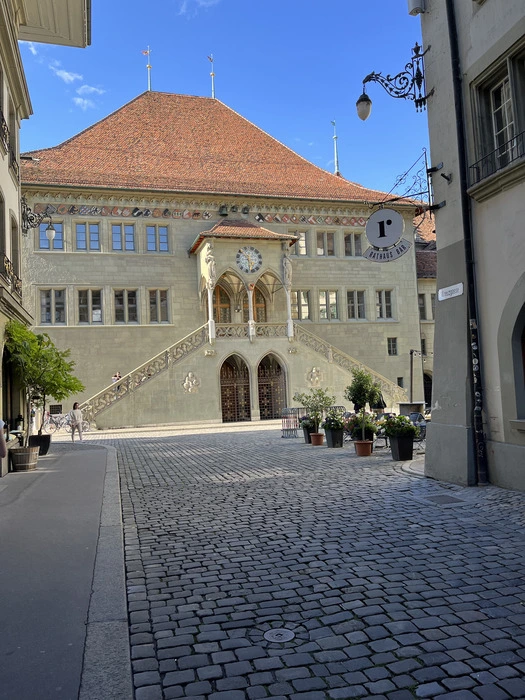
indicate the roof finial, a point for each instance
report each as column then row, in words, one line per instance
column 210, row 59
column 336, row 157
column 147, row 53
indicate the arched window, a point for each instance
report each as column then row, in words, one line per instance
column 259, row 307
column 221, row 306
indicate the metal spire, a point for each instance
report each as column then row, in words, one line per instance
column 147, row 53
column 210, row 59
column 336, row 157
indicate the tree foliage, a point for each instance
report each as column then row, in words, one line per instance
column 316, row 403
column 363, row 390
column 41, row 368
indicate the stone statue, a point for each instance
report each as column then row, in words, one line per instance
column 191, row 384
column 287, row 270
column 210, row 261
column 314, row 377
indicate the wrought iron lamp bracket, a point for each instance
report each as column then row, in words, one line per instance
column 32, row 220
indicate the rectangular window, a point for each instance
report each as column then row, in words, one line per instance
column 300, row 305
column 123, row 237
column 433, row 305
column 126, row 306
column 53, row 306
column 157, row 239
column 90, row 306
column 328, row 307
column 422, row 307
column 423, row 346
column 392, row 346
column 356, row 304
column 87, row 236
column 353, row 245
column 325, row 243
column 300, row 245
column 158, row 306
column 501, row 117
column 384, row 303
column 58, row 241
column 400, row 381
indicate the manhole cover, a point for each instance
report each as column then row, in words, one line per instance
column 444, row 499
column 279, row 635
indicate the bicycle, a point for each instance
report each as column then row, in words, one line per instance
column 54, row 422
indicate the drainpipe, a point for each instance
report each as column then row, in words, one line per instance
column 480, row 453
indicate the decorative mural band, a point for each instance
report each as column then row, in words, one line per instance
column 194, row 214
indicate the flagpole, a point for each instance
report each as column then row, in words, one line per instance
column 336, row 157
column 148, row 66
column 210, row 59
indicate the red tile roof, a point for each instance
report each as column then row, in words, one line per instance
column 425, row 227
column 185, row 144
column 426, row 264
column 239, row 229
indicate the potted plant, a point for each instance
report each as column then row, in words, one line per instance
column 42, row 371
column 401, row 432
column 354, row 427
column 334, row 427
column 363, row 390
column 308, row 427
column 316, row 402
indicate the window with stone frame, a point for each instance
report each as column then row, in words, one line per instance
column 222, row 312
column 300, row 302
column 392, row 346
column 355, row 301
column 87, row 236
column 126, row 309
column 499, row 105
column 58, row 241
column 123, row 237
column 157, row 239
column 90, row 306
column 422, row 307
column 53, row 307
column 384, row 304
column 158, row 306
column 299, row 247
column 353, row 245
column 325, row 243
column 328, row 305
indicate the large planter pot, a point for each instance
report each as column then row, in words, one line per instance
column 402, row 447
column 317, row 438
column 334, row 438
column 43, row 443
column 363, row 448
column 23, row 459
column 307, row 432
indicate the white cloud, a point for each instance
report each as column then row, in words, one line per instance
column 83, row 103
column 66, row 76
column 89, row 90
column 30, row 46
column 191, row 7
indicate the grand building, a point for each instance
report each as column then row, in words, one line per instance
column 64, row 22
column 214, row 268
column 475, row 68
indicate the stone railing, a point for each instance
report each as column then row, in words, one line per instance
column 240, row 330
column 333, row 354
column 147, row 371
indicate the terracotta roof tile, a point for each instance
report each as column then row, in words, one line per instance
column 181, row 143
column 426, row 264
column 425, row 227
column 239, row 228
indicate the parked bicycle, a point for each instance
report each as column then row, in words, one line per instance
column 55, row 422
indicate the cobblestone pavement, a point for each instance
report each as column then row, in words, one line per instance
column 375, row 583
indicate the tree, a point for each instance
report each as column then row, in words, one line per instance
column 363, row 390
column 315, row 403
column 41, row 368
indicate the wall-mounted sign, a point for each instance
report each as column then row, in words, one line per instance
column 384, row 230
column 455, row 290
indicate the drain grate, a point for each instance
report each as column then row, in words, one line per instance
column 444, row 499
column 279, row 635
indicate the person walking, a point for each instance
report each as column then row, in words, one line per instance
column 75, row 417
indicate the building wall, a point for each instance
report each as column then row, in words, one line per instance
column 100, row 349
column 488, row 33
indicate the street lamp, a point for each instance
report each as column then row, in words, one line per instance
column 409, row 85
column 32, row 220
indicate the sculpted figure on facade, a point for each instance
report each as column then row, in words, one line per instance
column 287, row 269
column 314, row 376
column 191, row 384
column 212, row 269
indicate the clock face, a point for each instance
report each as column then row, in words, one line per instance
column 248, row 259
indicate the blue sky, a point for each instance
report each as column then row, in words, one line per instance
column 289, row 66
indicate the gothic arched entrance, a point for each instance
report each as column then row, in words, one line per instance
column 272, row 388
column 427, row 387
column 235, row 390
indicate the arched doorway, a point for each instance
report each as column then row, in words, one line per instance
column 272, row 388
column 427, row 388
column 235, row 390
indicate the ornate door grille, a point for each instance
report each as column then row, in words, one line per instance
column 272, row 390
column 235, row 393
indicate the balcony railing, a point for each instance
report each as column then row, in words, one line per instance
column 502, row 156
column 13, row 163
column 4, row 131
column 7, row 272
